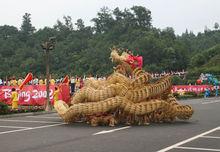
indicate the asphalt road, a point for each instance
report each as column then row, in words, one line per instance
column 48, row 133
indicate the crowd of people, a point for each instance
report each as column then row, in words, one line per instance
column 13, row 81
column 177, row 73
column 75, row 82
column 39, row 81
column 36, row 81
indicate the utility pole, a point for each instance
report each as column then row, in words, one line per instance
column 47, row 46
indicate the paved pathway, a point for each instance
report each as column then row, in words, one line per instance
column 47, row 132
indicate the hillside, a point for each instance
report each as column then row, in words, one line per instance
column 82, row 50
column 207, row 61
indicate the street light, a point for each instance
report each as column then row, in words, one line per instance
column 47, row 46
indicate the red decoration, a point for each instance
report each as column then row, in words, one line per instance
column 28, row 78
column 66, row 80
column 135, row 61
column 191, row 88
column 199, row 81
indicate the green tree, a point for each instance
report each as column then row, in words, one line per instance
column 8, row 32
column 216, row 26
column 85, row 49
column 104, row 21
column 142, row 16
column 80, row 24
column 63, row 29
column 26, row 27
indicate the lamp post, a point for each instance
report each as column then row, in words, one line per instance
column 47, row 46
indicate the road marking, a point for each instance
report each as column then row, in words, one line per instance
column 31, row 128
column 42, row 117
column 188, row 140
column 12, row 127
column 6, row 120
column 110, row 131
column 54, row 114
column 194, row 148
column 215, row 137
column 209, row 102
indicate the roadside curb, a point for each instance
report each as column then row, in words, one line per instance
column 27, row 114
column 199, row 98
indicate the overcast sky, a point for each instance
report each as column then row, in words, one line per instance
column 193, row 15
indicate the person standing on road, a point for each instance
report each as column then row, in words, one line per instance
column 13, row 81
column 72, row 85
column 216, row 90
column 56, row 95
column 41, row 81
column 1, row 82
column 52, row 81
column 207, row 93
column 19, row 81
column 14, row 98
column 77, row 86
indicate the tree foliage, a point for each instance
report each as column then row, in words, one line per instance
column 82, row 49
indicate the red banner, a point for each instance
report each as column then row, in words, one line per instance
column 34, row 94
column 191, row 88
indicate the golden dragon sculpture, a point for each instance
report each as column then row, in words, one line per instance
column 127, row 96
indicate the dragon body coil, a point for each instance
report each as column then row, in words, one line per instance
column 122, row 99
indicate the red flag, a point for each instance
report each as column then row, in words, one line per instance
column 28, row 78
column 66, row 79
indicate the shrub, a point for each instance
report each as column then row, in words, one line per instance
column 188, row 95
column 193, row 94
column 176, row 95
column 3, row 108
column 176, row 80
